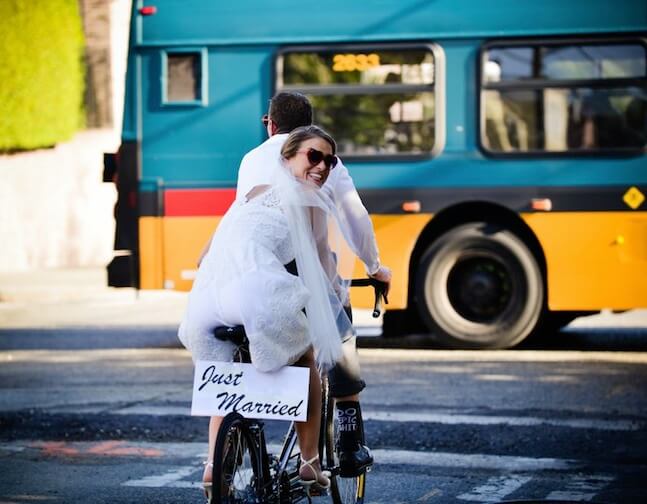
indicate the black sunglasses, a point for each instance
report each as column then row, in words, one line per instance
column 265, row 120
column 316, row 156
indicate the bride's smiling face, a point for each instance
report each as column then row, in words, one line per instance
column 312, row 162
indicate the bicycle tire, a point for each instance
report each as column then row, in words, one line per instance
column 237, row 471
column 342, row 490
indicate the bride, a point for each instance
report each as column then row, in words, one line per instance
column 243, row 281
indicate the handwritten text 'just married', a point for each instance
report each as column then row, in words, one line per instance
column 236, row 401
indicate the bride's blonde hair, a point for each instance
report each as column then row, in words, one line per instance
column 300, row 135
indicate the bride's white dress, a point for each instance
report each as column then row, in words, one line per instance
column 242, row 280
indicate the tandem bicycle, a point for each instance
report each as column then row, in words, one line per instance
column 244, row 472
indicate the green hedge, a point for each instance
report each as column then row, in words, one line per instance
column 41, row 72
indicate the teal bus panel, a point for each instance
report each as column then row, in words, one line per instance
column 296, row 21
column 192, row 145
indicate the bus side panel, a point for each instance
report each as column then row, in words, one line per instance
column 184, row 240
column 595, row 260
column 190, row 150
column 201, row 144
column 396, row 238
column 185, row 237
column 151, row 238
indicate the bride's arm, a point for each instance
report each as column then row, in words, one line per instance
column 327, row 257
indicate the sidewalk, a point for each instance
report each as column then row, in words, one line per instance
column 80, row 297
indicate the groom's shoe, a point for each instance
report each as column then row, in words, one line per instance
column 354, row 462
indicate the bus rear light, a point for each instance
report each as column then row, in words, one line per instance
column 542, row 204
column 412, row 206
column 148, row 10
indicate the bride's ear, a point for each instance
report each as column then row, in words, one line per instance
column 286, row 162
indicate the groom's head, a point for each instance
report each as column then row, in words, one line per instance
column 288, row 111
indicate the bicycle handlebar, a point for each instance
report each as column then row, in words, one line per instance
column 380, row 292
column 237, row 334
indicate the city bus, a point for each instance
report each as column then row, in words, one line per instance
column 499, row 147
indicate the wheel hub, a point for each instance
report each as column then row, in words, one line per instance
column 479, row 288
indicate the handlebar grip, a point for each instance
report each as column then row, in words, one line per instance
column 377, row 308
column 380, row 292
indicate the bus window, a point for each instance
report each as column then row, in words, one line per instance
column 375, row 101
column 558, row 97
column 183, row 74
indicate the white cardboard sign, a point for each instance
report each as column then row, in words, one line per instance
column 222, row 387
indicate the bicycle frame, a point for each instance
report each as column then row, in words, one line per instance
column 279, row 483
column 279, row 480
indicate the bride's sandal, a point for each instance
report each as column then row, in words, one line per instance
column 207, row 485
column 317, row 479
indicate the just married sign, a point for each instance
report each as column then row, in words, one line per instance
column 222, row 387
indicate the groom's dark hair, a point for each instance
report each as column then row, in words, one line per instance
column 290, row 110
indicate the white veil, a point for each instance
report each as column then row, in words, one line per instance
column 312, row 218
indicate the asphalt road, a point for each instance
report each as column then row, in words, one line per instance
column 102, row 415
column 95, row 399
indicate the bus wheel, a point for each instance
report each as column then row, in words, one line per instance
column 479, row 286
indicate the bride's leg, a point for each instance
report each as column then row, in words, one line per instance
column 214, row 427
column 308, row 432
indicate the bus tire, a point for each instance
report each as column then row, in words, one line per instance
column 479, row 286
column 398, row 323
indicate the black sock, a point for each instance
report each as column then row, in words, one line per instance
column 349, row 421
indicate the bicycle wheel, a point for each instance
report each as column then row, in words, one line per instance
column 236, row 464
column 342, row 490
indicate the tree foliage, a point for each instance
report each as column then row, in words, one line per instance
column 41, row 72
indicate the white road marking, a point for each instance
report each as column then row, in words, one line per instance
column 195, row 450
column 175, row 477
column 170, row 478
column 454, row 419
column 148, row 409
column 495, row 488
column 472, row 461
column 368, row 332
column 581, row 488
column 447, row 418
column 376, row 355
column 430, row 495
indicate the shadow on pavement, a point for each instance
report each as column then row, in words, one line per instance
column 622, row 339
column 89, row 338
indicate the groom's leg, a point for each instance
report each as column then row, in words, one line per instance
column 345, row 384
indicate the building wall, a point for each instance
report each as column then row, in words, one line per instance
column 55, row 211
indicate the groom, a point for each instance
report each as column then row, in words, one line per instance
column 288, row 111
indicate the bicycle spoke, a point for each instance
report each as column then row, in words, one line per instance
column 238, row 480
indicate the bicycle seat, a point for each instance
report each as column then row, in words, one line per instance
column 235, row 334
